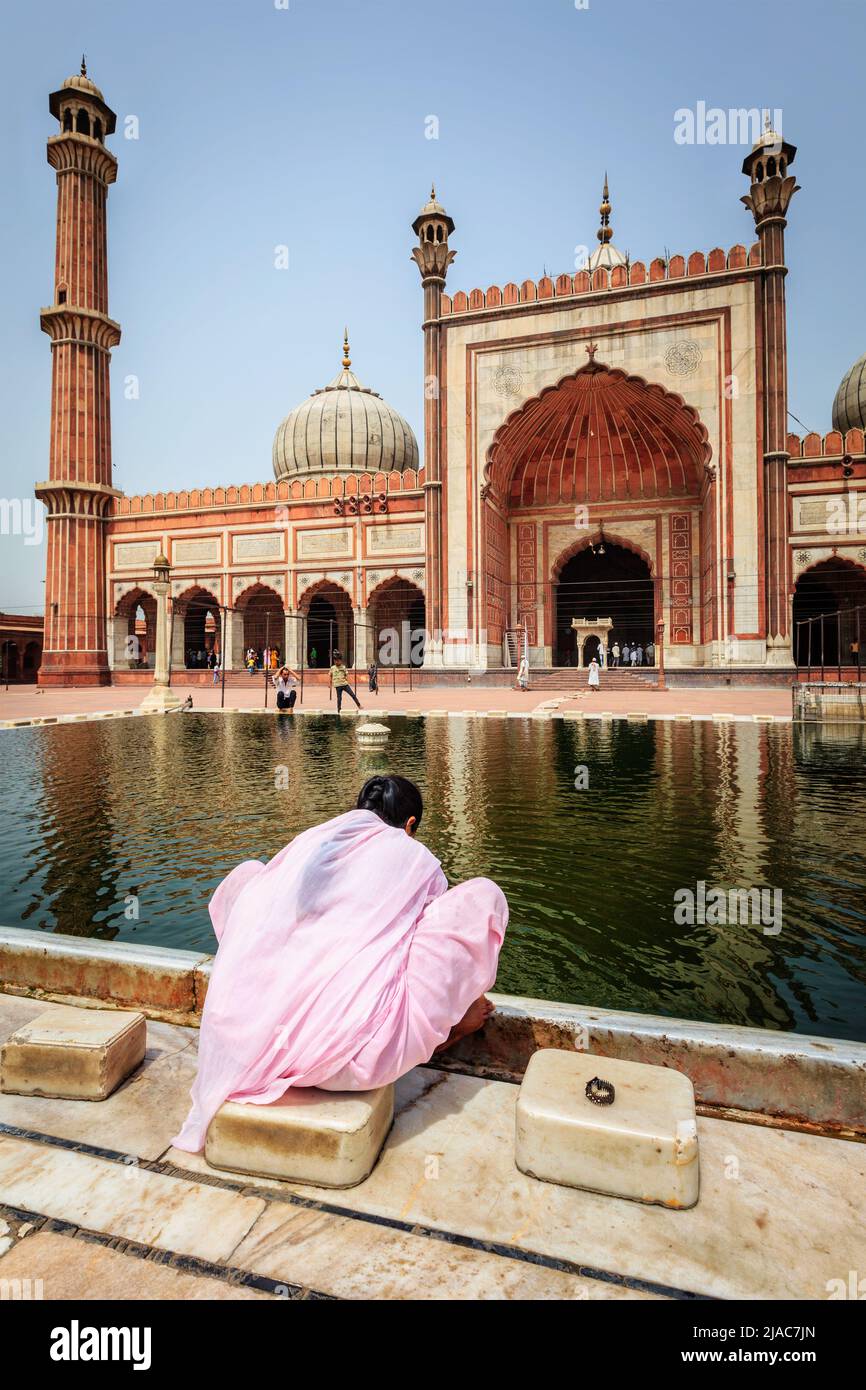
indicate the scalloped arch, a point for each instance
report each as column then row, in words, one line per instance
column 254, row 590
column 130, row 599
column 306, row 596
column 598, row 435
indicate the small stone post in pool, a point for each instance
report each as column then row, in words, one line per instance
column 161, row 698
column 373, row 735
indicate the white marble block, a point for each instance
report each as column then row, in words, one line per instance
column 325, row 1138
column 644, row 1145
column 73, row 1054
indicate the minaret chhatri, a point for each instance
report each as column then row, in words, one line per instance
column 79, row 491
column 772, row 188
column 433, row 256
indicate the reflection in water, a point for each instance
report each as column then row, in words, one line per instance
column 158, row 810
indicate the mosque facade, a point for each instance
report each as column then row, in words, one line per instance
column 609, row 444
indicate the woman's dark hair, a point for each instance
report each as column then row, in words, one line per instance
column 393, row 799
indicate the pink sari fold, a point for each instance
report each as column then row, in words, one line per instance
column 342, row 963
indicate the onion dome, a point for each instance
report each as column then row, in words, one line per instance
column 849, row 406
column 80, row 82
column 343, row 428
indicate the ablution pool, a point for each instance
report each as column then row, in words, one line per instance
column 122, row 828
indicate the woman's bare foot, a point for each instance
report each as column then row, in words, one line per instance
column 474, row 1018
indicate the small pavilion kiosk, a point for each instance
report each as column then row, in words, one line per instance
column 584, row 630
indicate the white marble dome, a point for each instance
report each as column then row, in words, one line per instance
column 849, row 407
column 343, row 428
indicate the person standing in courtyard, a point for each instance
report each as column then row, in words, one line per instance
column 615, row 654
column 626, row 654
column 650, row 654
column 593, row 677
column 639, row 651
column 339, row 681
column 404, row 974
column 285, row 682
column 373, row 678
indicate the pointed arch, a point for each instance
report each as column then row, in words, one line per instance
column 829, row 612
column 264, row 628
column 329, row 622
column 397, row 618
column 598, row 434
column 197, row 626
column 597, row 538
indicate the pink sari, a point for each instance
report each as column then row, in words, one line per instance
column 342, row 963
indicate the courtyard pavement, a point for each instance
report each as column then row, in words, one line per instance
column 27, row 702
column 96, row 1204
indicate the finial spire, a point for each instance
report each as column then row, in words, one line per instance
column 432, row 193
column 347, row 361
column 605, row 231
column 83, row 65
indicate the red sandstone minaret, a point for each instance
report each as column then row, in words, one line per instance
column 79, row 491
column 772, row 188
column 433, row 256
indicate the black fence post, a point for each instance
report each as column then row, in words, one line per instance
column 822, row 647
column 302, row 620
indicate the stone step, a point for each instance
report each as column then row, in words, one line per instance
column 73, row 1054
column 643, row 1145
column 324, row 1138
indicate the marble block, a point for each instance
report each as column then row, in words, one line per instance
column 73, row 1054
column 643, row 1146
column 325, row 1138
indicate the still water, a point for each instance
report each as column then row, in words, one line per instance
column 106, row 819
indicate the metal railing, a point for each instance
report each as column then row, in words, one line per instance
column 814, row 632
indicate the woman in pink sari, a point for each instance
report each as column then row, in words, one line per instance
column 342, row 963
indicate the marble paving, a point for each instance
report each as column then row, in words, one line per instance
column 444, row 1214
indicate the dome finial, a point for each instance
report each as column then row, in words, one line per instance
column 347, row 361
column 83, row 65
column 605, row 231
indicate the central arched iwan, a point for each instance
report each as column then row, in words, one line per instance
column 598, row 435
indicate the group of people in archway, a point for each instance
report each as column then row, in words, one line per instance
column 631, row 654
column 262, row 659
column 200, row 658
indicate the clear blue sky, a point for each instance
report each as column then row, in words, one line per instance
column 305, row 126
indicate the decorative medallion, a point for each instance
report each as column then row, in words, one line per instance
column 418, row 576
column 861, row 555
column 803, row 557
column 683, row 358
column 507, row 381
